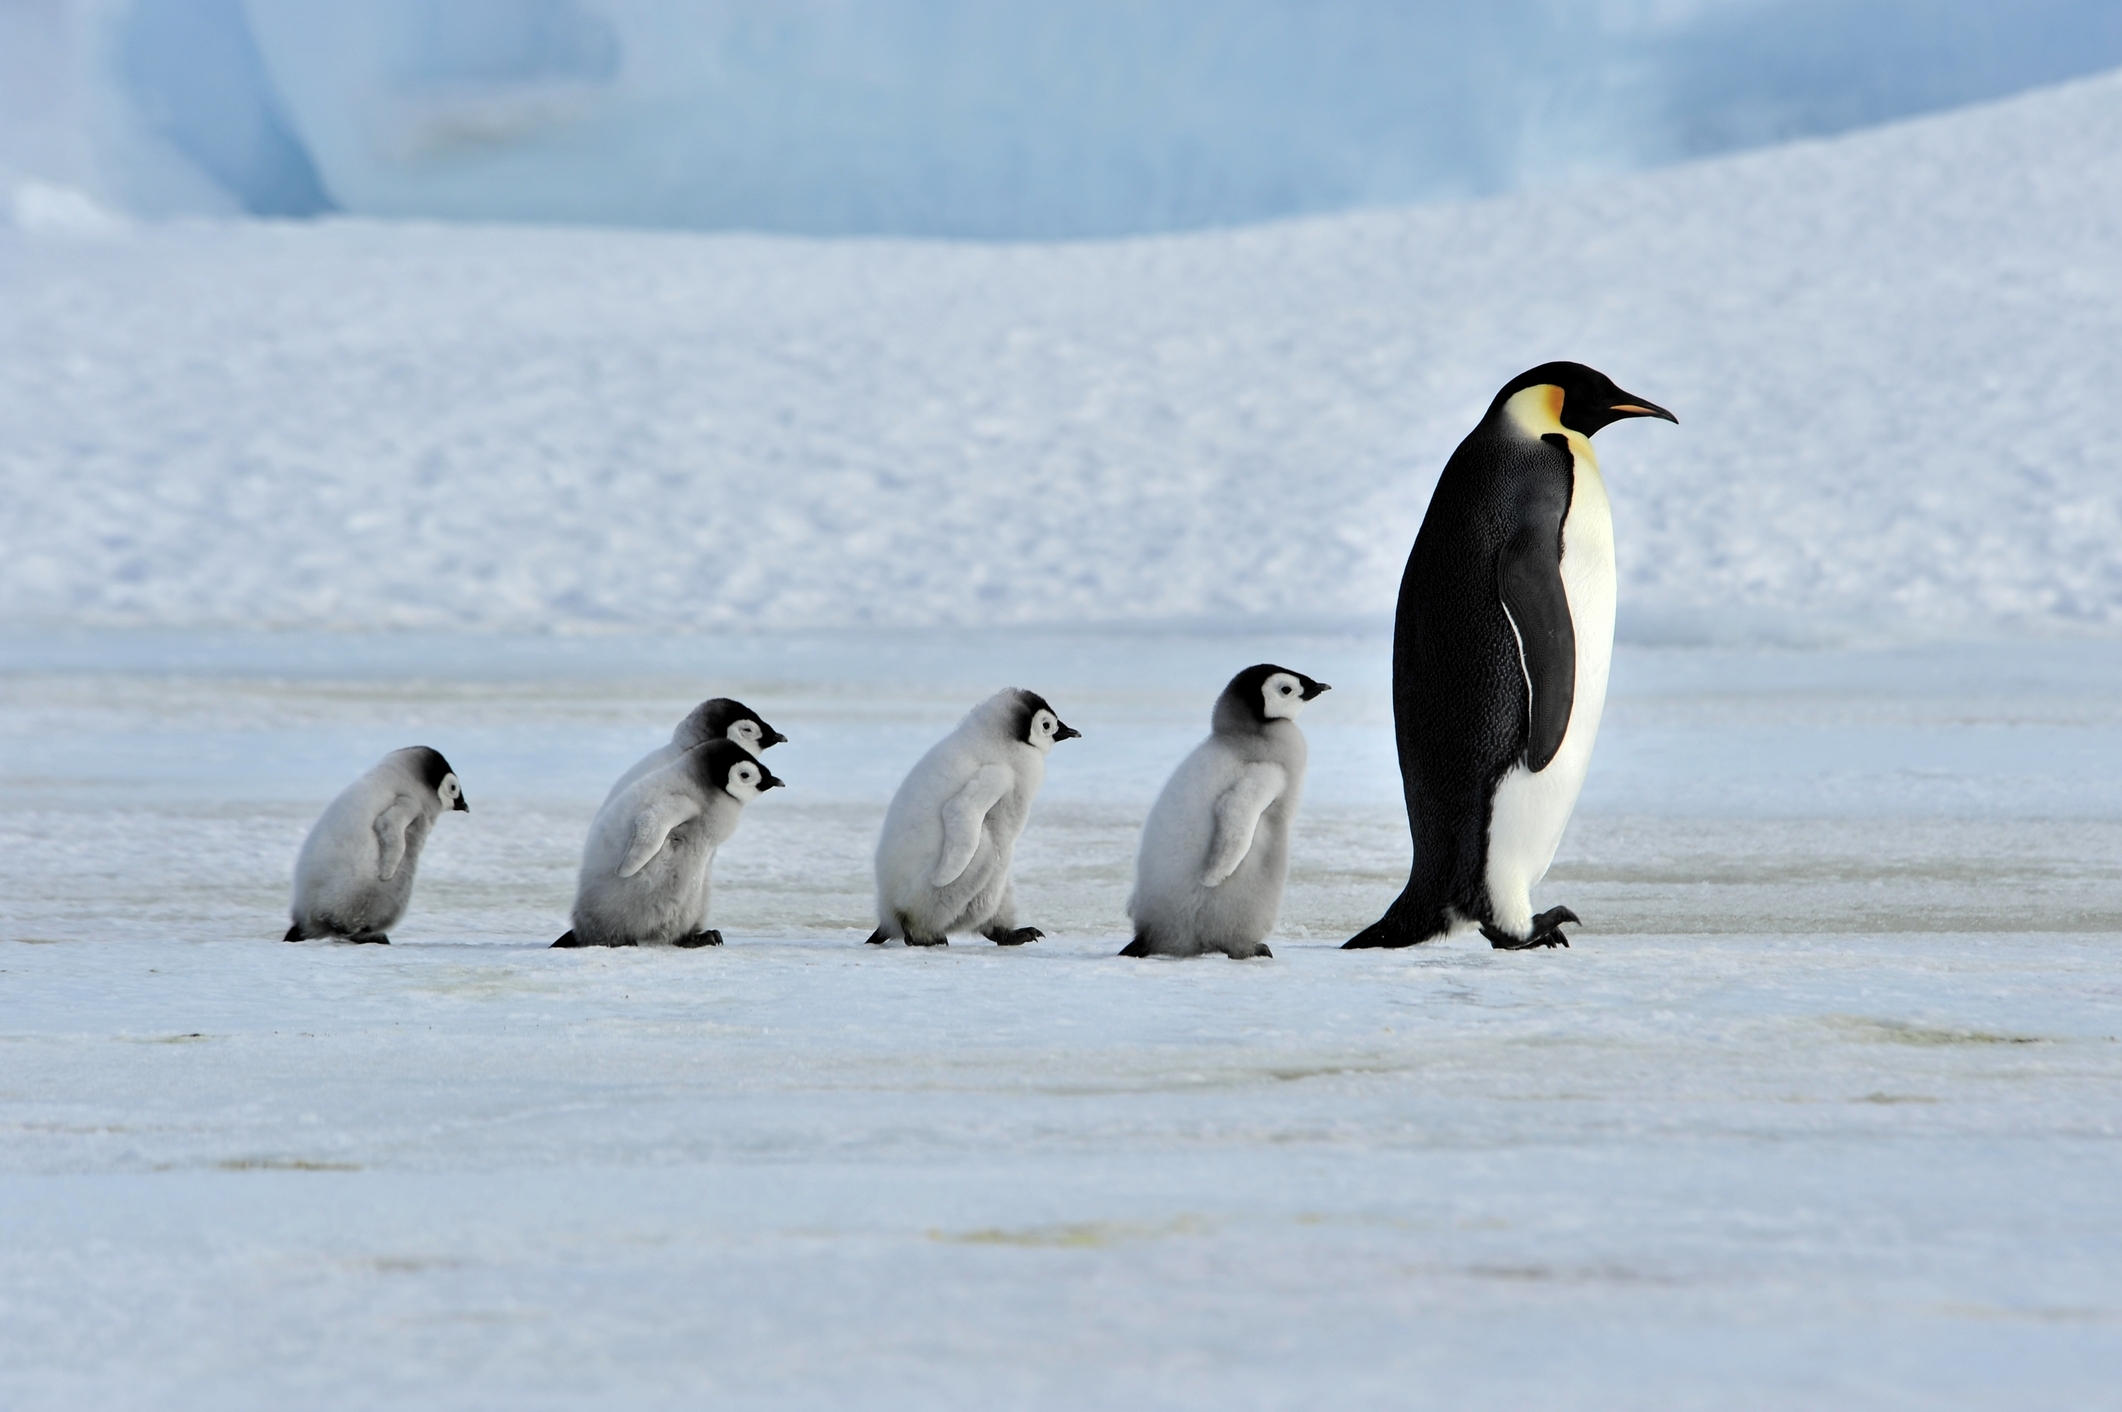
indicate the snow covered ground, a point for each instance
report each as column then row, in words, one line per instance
column 1821, row 1109
column 1891, row 355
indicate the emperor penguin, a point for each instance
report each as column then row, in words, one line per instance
column 943, row 861
column 1215, row 851
column 645, row 867
column 718, row 719
column 1501, row 645
column 354, row 875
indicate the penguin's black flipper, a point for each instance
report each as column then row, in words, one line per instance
column 878, row 937
column 294, row 933
column 567, row 941
column 1529, row 581
column 1138, row 947
column 1547, row 931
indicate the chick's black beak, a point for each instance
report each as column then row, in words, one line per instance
column 1062, row 732
column 1630, row 405
column 772, row 782
column 773, row 737
column 1314, row 688
column 461, row 806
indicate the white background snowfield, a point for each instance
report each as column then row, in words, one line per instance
column 1822, row 1109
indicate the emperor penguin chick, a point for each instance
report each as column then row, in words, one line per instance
column 1215, row 851
column 354, row 876
column 943, row 862
column 718, row 719
column 651, row 848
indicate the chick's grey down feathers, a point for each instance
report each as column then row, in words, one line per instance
column 713, row 719
column 944, row 857
column 647, row 863
column 1214, row 855
column 354, row 876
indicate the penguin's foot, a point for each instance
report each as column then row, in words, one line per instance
column 1015, row 936
column 369, row 939
column 912, row 940
column 1260, row 951
column 1387, row 932
column 1547, row 931
column 878, row 937
column 709, row 937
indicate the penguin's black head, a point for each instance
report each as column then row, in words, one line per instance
column 1261, row 694
column 729, row 767
column 1589, row 400
column 436, row 774
column 725, row 719
column 1036, row 724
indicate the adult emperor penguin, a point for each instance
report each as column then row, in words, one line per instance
column 718, row 719
column 943, row 861
column 1500, row 653
column 645, row 868
column 354, row 875
column 1215, row 850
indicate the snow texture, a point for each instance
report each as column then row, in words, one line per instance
column 1818, row 1110
column 1890, row 353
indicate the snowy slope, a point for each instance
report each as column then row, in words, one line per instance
column 1891, row 353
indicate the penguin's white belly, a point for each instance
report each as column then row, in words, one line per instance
column 1531, row 810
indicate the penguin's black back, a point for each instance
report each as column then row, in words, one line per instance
column 1459, row 688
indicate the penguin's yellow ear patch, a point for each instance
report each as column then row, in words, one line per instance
column 1536, row 410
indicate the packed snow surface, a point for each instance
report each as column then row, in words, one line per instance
column 1819, row 1110
column 1891, row 355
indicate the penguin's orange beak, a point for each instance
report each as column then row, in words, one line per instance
column 1642, row 409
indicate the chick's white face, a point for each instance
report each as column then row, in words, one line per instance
column 746, row 734
column 449, row 791
column 1044, row 728
column 743, row 783
column 1284, row 697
